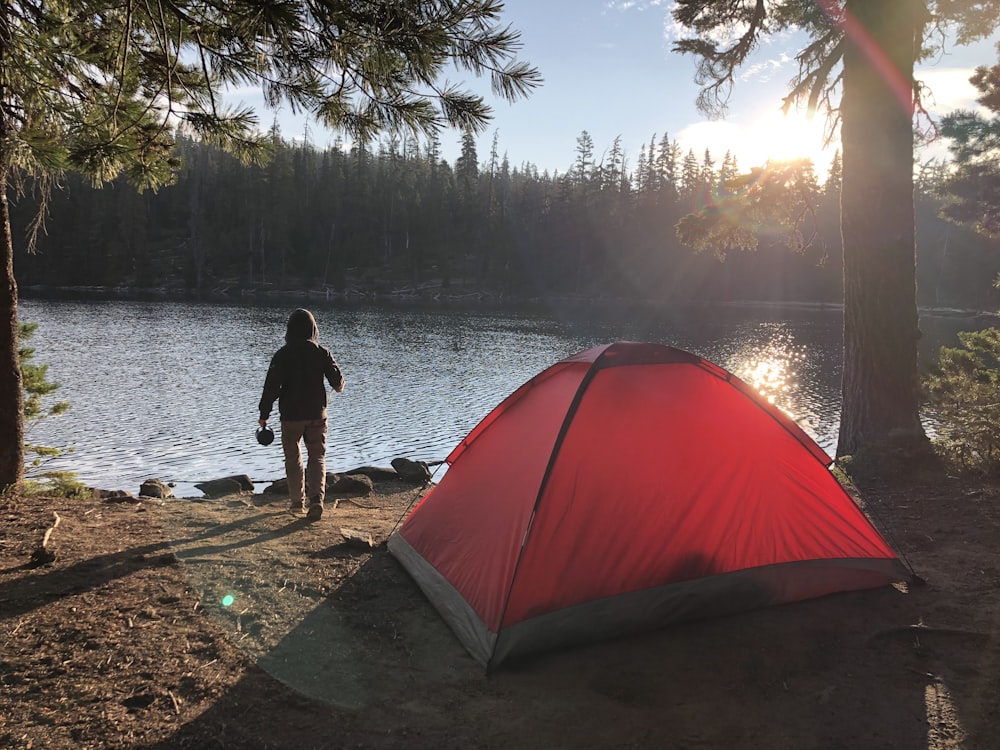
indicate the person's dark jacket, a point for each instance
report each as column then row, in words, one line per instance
column 298, row 369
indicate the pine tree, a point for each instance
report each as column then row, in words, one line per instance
column 690, row 178
column 866, row 51
column 667, row 159
column 641, row 172
column 96, row 86
column 835, row 177
column 583, row 166
column 614, row 168
column 655, row 178
column 37, row 386
column 776, row 202
column 707, row 175
column 728, row 169
column 467, row 164
column 972, row 190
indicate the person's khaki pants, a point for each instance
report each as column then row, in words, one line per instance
column 313, row 433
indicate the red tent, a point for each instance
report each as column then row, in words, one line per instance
column 623, row 488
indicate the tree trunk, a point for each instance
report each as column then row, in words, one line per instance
column 880, row 385
column 194, row 225
column 11, row 392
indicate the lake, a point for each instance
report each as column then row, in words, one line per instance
column 169, row 390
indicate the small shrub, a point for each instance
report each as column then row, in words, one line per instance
column 39, row 480
column 963, row 397
column 56, row 484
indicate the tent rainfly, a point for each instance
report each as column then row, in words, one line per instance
column 626, row 487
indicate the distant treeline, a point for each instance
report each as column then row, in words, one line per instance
column 399, row 218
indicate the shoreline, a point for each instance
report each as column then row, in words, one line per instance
column 433, row 295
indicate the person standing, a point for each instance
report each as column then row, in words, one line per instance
column 295, row 379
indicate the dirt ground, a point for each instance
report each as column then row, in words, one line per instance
column 231, row 624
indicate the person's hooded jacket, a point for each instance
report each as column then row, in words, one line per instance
column 295, row 377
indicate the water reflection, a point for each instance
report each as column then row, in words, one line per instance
column 773, row 361
column 170, row 390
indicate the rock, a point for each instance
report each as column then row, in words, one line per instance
column 277, row 487
column 42, row 556
column 344, row 484
column 280, row 486
column 414, row 472
column 376, row 473
column 351, row 484
column 113, row 496
column 155, row 488
column 232, row 485
column 354, row 538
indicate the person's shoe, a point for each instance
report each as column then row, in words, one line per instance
column 315, row 511
column 296, row 507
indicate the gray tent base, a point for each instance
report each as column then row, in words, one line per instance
column 644, row 610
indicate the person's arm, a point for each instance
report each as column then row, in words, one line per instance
column 333, row 374
column 272, row 389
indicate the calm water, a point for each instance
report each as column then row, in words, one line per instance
column 170, row 390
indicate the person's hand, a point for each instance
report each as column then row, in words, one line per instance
column 262, row 422
column 342, row 384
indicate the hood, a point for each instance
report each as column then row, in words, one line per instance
column 301, row 327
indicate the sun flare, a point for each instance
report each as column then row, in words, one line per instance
column 770, row 136
column 778, row 137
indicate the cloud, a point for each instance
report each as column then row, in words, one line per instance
column 672, row 31
column 244, row 92
column 718, row 136
column 949, row 89
column 764, row 69
column 624, row 6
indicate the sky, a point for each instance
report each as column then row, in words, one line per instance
column 608, row 69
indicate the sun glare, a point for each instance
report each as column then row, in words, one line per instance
column 772, row 136
column 778, row 137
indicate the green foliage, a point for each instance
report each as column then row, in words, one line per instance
column 398, row 217
column 98, row 87
column 55, row 484
column 777, row 203
column 722, row 35
column 963, row 395
column 34, row 379
column 972, row 188
column 37, row 387
column 838, row 74
column 101, row 87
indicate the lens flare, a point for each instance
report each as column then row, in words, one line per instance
column 227, row 600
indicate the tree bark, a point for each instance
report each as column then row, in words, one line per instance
column 11, row 390
column 880, row 386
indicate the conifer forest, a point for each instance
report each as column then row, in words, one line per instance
column 398, row 219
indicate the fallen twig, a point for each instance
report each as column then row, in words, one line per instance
column 43, row 555
column 352, row 501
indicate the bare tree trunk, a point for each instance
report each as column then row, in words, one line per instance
column 880, row 385
column 11, row 388
column 194, row 222
column 263, row 252
column 329, row 252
